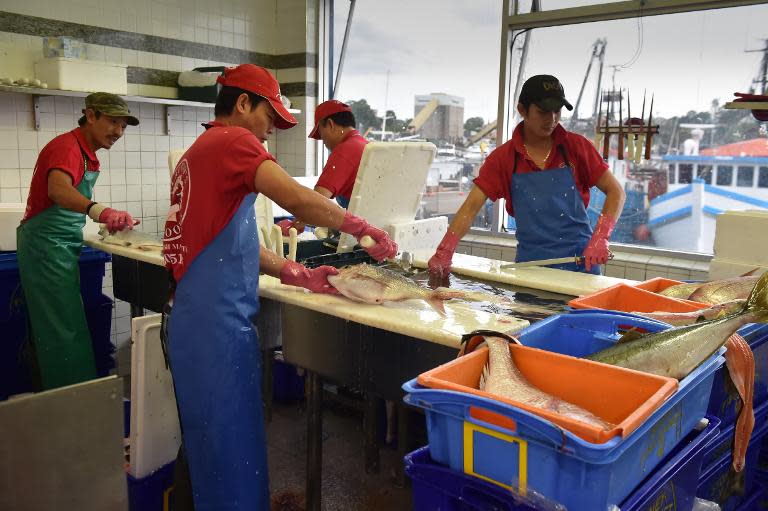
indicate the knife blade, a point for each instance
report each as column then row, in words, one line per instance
column 544, row 262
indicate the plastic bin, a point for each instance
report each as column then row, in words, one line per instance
column 287, row 384
column 620, row 396
column 673, row 485
column 532, row 453
column 719, row 483
column 722, row 445
column 14, row 376
column 203, row 94
column 151, row 493
column 438, row 488
column 623, row 297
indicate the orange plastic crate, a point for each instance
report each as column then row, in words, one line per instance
column 626, row 298
column 623, row 397
column 658, row 284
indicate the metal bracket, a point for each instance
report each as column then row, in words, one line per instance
column 36, row 103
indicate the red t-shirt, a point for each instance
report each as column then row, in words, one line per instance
column 207, row 187
column 340, row 170
column 65, row 153
column 496, row 173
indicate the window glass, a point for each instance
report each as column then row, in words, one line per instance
column 685, row 173
column 745, row 176
column 704, row 172
column 442, row 57
column 645, row 55
column 724, row 175
column 762, row 178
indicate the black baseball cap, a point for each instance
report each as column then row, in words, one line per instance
column 546, row 92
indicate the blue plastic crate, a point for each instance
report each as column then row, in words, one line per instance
column 673, row 485
column 722, row 445
column 150, row 493
column 756, row 500
column 719, row 483
column 583, row 332
column 438, row 488
column 534, row 453
column 287, row 385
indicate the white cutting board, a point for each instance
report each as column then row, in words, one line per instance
column 389, row 184
column 155, row 432
column 535, row 277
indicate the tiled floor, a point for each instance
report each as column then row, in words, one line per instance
column 346, row 486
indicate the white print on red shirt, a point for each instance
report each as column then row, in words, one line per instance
column 181, row 186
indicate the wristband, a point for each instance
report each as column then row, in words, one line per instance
column 94, row 210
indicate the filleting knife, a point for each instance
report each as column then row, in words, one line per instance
column 547, row 262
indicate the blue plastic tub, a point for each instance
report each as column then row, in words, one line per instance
column 532, row 453
column 438, row 488
column 586, row 331
column 287, row 385
column 580, row 335
column 14, row 375
column 719, row 483
column 723, row 444
column 151, row 492
column 673, row 485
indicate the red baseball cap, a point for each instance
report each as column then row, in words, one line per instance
column 325, row 109
column 261, row 82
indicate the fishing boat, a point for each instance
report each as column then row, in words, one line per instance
column 700, row 187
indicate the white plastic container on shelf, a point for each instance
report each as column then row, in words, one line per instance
column 10, row 218
column 82, row 75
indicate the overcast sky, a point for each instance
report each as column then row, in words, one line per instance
column 452, row 46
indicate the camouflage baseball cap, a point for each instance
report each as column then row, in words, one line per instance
column 110, row 104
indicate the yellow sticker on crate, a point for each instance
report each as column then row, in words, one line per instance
column 469, row 456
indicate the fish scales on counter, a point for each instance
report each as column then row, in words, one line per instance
column 678, row 351
column 502, row 377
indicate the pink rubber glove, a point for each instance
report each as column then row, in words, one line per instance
column 117, row 220
column 285, row 225
column 315, row 279
column 440, row 263
column 597, row 249
column 357, row 227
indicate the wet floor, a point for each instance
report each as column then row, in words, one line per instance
column 345, row 486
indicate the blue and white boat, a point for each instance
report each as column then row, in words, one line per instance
column 700, row 187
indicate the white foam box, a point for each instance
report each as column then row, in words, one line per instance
column 739, row 237
column 418, row 235
column 723, row 269
column 82, row 75
column 10, row 218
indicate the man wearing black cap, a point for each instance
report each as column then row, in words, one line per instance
column 544, row 173
column 50, row 238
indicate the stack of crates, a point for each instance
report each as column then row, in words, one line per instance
column 719, row 482
column 474, row 464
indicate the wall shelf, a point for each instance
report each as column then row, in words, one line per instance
column 36, row 92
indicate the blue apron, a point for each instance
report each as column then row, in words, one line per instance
column 550, row 216
column 216, row 366
column 342, row 201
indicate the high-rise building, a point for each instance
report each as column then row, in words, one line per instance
column 445, row 123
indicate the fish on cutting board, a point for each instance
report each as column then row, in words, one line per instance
column 678, row 351
column 501, row 377
column 376, row 285
column 132, row 239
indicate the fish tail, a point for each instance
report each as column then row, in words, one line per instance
column 443, row 293
column 757, row 302
column 437, row 304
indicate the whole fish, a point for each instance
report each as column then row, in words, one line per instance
column 376, row 285
column 688, row 318
column 678, row 351
column 681, row 290
column 131, row 238
column 726, row 290
column 502, row 378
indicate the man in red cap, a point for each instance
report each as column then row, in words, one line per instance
column 335, row 126
column 212, row 250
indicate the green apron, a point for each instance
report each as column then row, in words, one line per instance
column 48, row 250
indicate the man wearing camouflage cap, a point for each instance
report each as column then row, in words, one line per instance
column 50, row 238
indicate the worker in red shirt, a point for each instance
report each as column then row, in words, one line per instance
column 544, row 173
column 211, row 248
column 335, row 126
column 50, row 238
